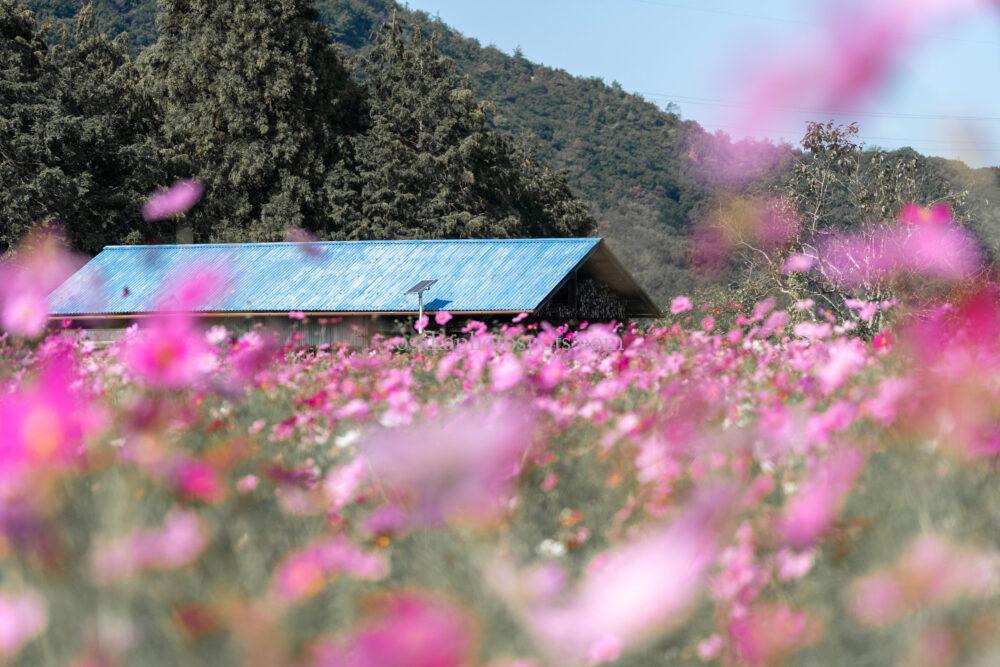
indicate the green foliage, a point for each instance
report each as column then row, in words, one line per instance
column 136, row 18
column 629, row 160
column 24, row 111
column 73, row 133
column 255, row 105
column 429, row 165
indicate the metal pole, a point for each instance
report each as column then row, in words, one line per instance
column 420, row 301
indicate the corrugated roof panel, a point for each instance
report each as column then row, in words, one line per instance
column 337, row 276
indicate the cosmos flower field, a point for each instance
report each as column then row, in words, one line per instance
column 736, row 484
column 732, row 485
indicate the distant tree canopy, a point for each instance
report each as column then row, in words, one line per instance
column 255, row 104
column 430, row 166
column 254, row 100
column 640, row 169
column 74, row 132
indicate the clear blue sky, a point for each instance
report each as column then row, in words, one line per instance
column 685, row 51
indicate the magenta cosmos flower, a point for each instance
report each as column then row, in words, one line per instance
column 170, row 353
column 407, row 630
column 43, row 426
column 461, row 466
column 175, row 200
column 680, row 304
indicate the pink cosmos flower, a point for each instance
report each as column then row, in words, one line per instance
column 939, row 214
column 862, row 45
column 520, row 318
column 252, row 353
column 421, row 323
column 726, row 162
column 304, row 573
column 247, row 484
column 813, row 509
column 297, row 315
column 308, row 242
column 179, row 542
column 769, row 634
column 866, row 309
column 932, row 571
column 175, row 200
column 39, row 265
column 45, row 424
column 460, row 465
column 22, row 618
column 798, row 263
column 25, row 314
column 711, row 648
column 169, row 352
column 407, row 630
column 680, row 304
column 924, row 242
column 793, row 565
column 341, row 484
column 813, row 330
column 624, row 599
column 506, row 372
column 606, row 649
column 845, row 359
column 197, row 480
column 217, row 335
column 442, row 317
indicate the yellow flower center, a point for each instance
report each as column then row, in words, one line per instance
column 43, row 432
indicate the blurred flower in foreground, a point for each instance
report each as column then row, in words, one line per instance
column 178, row 198
column 460, row 466
column 169, row 353
column 721, row 161
column 932, row 571
column 924, row 242
column 22, row 618
column 769, row 634
column 863, row 43
column 304, row 573
column 44, row 425
column 952, row 393
column 798, row 263
column 170, row 350
column 181, row 539
column 25, row 314
column 406, row 630
column 812, row 510
column 40, row 264
column 680, row 304
column 307, row 240
column 628, row 596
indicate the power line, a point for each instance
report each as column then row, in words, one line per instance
column 983, row 146
column 777, row 19
column 713, row 10
column 735, row 104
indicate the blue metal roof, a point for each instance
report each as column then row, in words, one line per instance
column 337, row 276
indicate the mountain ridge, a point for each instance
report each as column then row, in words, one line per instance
column 624, row 155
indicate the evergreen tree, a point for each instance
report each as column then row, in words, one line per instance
column 255, row 104
column 105, row 126
column 73, row 130
column 430, row 166
column 29, row 175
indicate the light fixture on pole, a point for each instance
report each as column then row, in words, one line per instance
column 419, row 290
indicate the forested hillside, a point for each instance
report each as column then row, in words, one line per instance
column 640, row 169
